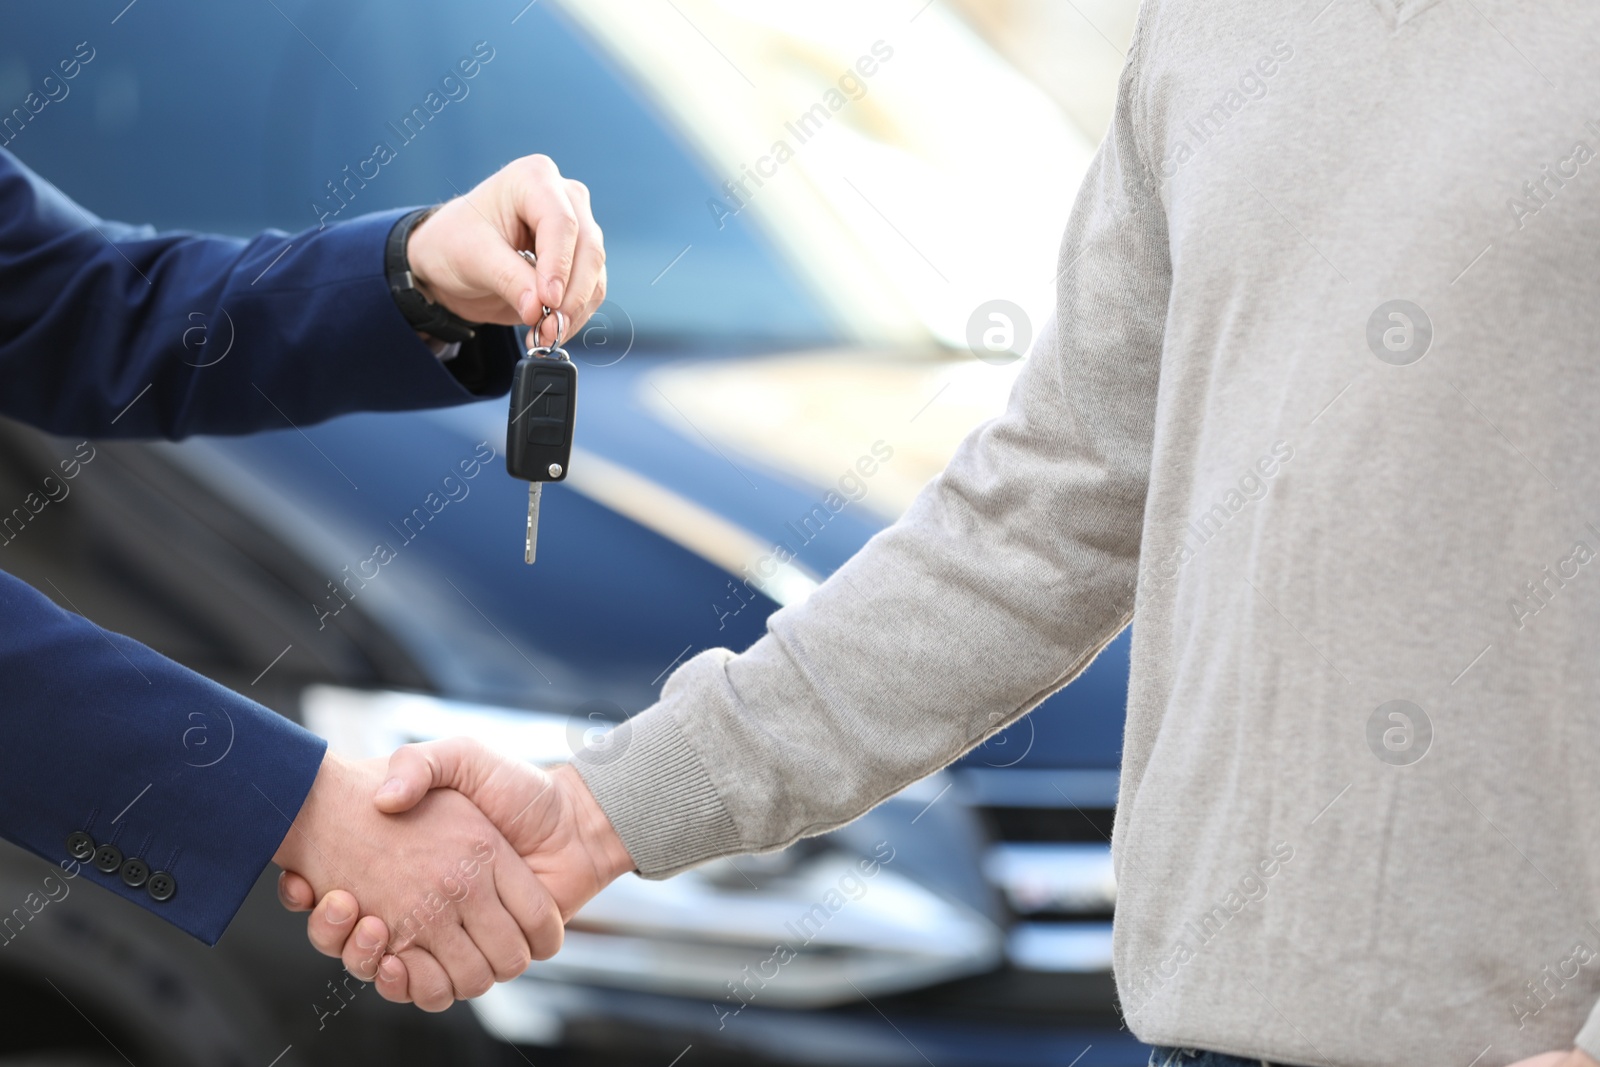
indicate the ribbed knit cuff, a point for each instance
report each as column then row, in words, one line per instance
column 658, row 796
column 1589, row 1037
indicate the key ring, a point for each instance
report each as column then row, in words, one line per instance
column 533, row 261
column 554, row 346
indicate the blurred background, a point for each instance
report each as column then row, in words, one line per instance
column 832, row 231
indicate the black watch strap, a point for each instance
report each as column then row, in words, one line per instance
column 423, row 315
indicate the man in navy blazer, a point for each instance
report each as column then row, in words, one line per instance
column 396, row 310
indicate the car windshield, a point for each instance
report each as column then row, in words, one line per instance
column 231, row 118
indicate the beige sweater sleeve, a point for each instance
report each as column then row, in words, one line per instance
column 1005, row 578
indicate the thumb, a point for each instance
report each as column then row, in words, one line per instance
column 294, row 892
column 513, row 277
column 415, row 769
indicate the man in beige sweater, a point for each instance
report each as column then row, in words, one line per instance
column 1318, row 407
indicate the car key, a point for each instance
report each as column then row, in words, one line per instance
column 544, row 394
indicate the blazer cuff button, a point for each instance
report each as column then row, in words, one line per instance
column 134, row 872
column 107, row 858
column 80, row 846
column 161, row 886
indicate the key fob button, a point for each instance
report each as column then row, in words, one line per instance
column 545, row 432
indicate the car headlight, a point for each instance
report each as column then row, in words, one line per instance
column 802, row 928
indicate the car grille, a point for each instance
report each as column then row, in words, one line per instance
column 1048, row 858
column 1050, row 861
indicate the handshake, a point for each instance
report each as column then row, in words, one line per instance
column 447, row 870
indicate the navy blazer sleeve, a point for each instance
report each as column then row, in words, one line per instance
column 114, row 330
column 162, row 771
column 172, row 791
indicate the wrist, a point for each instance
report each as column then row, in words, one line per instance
column 409, row 269
column 594, row 828
column 297, row 851
column 420, row 256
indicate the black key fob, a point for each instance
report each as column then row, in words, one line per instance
column 544, row 398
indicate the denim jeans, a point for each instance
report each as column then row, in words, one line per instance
column 1199, row 1057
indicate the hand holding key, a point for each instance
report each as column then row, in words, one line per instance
column 464, row 255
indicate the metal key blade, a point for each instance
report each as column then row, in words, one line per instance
column 532, row 543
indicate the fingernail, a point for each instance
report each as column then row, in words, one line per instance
column 391, row 968
column 365, row 939
column 340, row 913
column 527, row 305
column 556, row 289
column 392, row 788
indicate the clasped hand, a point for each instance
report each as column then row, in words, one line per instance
column 446, row 868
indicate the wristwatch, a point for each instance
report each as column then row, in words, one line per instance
column 424, row 316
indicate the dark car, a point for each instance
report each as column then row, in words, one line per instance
column 365, row 576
